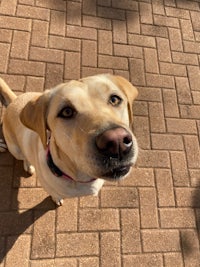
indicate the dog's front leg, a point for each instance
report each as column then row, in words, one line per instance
column 28, row 167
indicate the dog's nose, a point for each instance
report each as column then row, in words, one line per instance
column 114, row 142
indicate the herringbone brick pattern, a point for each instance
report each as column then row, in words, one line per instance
column 153, row 217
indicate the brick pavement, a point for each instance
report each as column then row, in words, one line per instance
column 153, row 217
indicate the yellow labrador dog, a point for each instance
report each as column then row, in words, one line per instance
column 75, row 135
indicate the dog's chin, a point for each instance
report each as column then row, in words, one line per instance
column 116, row 173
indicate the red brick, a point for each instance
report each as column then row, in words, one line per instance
column 191, row 5
column 130, row 221
column 195, row 178
column 195, row 20
column 40, row 33
column 53, row 4
column 177, row 13
column 151, row 60
column 137, row 71
column 181, row 126
column 173, row 259
column 164, row 53
column 190, row 111
column 87, row 261
column 89, row 7
column 35, row 84
column 8, row 8
column 46, row 55
column 83, row 244
column 33, row 12
column 72, row 65
column 189, row 239
column 18, row 49
column 4, row 54
column 89, row 53
column 54, row 262
column 97, row 22
column 5, row 36
column 110, row 249
column 112, row 62
column 89, row 202
column 96, row 219
column 161, row 240
column 16, row 83
column 44, row 236
column 74, row 13
column 22, row 247
column 158, row 7
column 111, row 13
column 57, row 23
column 173, row 69
column 187, row 197
column 139, row 177
column 125, row 4
column 140, row 108
column 152, row 30
column 105, row 42
column 119, row 32
column 194, row 77
column 157, row 123
column 166, row 21
column 62, row 43
column 119, row 197
column 26, row 67
column 165, row 190
column 191, row 47
column 187, row 30
column 148, row 208
column 167, row 142
column 154, row 158
column 133, row 22
column 140, row 40
column 185, row 58
column 183, row 90
column 177, row 218
column 146, row 13
column 170, row 103
column 54, row 75
column 128, row 50
column 88, row 71
column 149, row 94
column 67, row 216
column 81, row 32
column 175, row 39
column 143, row 260
column 179, row 169
column 142, row 131
column 192, row 151
column 158, row 80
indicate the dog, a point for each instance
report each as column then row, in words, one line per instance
column 74, row 136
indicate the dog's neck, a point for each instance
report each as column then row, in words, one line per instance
column 57, row 171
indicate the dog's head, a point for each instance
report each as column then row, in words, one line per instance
column 90, row 121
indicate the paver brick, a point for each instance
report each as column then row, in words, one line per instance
column 151, row 218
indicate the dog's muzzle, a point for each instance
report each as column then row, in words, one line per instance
column 116, row 148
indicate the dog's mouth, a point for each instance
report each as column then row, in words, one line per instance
column 117, row 173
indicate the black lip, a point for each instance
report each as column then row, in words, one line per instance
column 117, row 173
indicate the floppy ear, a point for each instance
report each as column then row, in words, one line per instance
column 34, row 116
column 130, row 91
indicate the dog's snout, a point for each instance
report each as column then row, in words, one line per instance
column 114, row 142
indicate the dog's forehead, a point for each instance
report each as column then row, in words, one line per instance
column 93, row 87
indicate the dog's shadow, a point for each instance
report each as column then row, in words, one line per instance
column 13, row 222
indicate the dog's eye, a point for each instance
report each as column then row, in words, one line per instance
column 115, row 100
column 67, row 113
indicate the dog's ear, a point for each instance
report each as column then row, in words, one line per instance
column 129, row 90
column 34, row 116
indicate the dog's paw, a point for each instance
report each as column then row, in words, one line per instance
column 58, row 201
column 29, row 168
column 3, row 146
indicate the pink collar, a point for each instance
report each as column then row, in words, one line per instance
column 57, row 172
